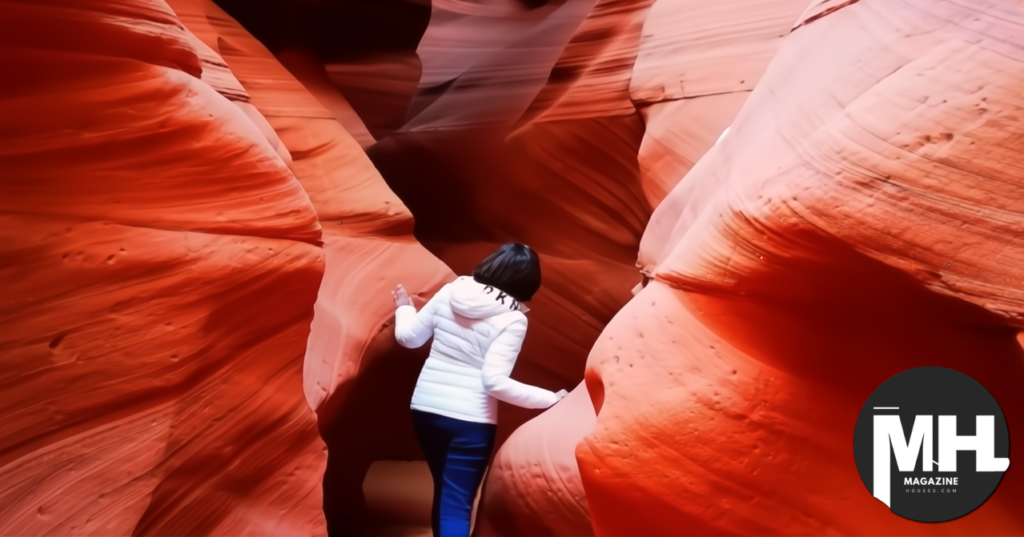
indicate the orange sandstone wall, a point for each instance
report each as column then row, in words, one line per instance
column 163, row 265
column 533, row 485
column 697, row 63
column 355, row 375
column 856, row 222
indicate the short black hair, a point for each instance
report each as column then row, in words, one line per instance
column 514, row 269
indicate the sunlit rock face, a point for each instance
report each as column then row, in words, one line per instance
column 698, row 62
column 163, row 263
column 854, row 223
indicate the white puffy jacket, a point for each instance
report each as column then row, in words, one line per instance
column 478, row 332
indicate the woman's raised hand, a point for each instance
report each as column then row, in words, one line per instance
column 401, row 296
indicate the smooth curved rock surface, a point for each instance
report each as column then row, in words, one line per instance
column 591, row 77
column 366, row 49
column 165, row 262
column 314, row 77
column 532, row 460
column 484, row 62
column 340, row 181
column 851, row 225
column 941, row 166
column 697, row 64
column 352, row 361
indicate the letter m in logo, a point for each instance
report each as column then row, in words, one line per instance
column 889, row 431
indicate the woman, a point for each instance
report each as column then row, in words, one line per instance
column 478, row 325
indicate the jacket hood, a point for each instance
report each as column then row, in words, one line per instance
column 478, row 301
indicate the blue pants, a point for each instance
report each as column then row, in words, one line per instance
column 457, row 453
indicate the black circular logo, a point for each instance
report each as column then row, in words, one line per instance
column 932, row 444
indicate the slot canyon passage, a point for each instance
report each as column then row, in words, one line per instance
column 749, row 214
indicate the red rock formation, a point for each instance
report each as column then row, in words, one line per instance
column 330, row 165
column 535, row 474
column 852, row 225
column 484, row 62
column 315, row 78
column 367, row 50
column 697, row 64
column 352, row 362
column 379, row 87
column 164, row 262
